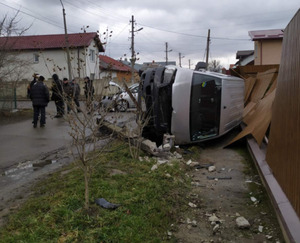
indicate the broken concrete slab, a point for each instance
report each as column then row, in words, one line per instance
column 242, row 223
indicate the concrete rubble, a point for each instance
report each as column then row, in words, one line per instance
column 242, row 223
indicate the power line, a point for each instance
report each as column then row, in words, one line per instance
column 199, row 36
column 35, row 17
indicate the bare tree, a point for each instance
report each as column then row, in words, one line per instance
column 12, row 67
column 90, row 138
column 215, row 66
column 134, row 134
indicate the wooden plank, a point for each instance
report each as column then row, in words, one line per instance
column 259, row 121
column 263, row 81
column 249, row 84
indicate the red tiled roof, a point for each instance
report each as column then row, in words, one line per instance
column 112, row 64
column 266, row 34
column 37, row 42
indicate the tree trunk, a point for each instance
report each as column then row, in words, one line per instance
column 86, row 187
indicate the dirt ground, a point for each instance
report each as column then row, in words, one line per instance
column 234, row 189
column 216, row 200
column 7, row 117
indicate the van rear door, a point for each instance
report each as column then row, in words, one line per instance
column 205, row 107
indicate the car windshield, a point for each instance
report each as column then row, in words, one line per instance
column 112, row 89
column 134, row 88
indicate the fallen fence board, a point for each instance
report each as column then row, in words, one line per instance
column 259, row 121
column 263, row 81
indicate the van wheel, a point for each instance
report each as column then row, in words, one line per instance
column 122, row 105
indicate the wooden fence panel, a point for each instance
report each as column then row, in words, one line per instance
column 283, row 154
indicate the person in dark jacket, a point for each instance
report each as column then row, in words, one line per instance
column 89, row 93
column 39, row 94
column 76, row 92
column 88, row 88
column 68, row 94
column 57, row 96
column 35, row 79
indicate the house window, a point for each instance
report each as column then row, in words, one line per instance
column 92, row 55
column 92, row 76
column 36, row 58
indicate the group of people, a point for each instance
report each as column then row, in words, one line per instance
column 63, row 92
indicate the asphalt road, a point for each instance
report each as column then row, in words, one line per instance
column 21, row 142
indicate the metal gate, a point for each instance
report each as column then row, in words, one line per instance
column 8, row 99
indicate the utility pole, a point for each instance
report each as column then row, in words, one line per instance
column 207, row 48
column 167, row 53
column 133, row 56
column 189, row 63
column 132, row 49
column 180, row 57
column 67, row 42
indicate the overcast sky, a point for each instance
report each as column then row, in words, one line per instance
column 182, row 24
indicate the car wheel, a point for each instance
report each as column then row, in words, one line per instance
column 122, row 105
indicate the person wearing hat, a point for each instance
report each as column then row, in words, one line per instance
column 39, row 94
column 35, row 78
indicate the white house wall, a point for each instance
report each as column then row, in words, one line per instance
column 92, row 67
column 55, row 61
column 108, row 74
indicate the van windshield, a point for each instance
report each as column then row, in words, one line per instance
column 204, row 106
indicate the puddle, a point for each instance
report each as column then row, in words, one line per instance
column 41, row 164
column 26, row 168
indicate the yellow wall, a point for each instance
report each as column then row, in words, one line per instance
column 267, row 52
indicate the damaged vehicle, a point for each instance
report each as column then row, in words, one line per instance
column 110, row 93
column 123, row 101
column 192, row 105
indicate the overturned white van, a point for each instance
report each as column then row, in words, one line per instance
column 192, row 105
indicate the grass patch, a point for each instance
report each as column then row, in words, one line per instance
column 149, row 202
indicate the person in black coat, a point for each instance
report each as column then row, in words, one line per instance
column 68, row 94
column 89, row 93
column 35, row 79
column 76, row 93
column 57, row 96
column 39, row 94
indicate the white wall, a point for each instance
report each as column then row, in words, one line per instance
column 108, row 74
column 55, row 61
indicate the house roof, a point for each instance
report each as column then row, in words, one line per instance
column 266, row 34
column 112, row 64
column 137, row 66
column 244, row 53
column 38, row 42
column 159, row 63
